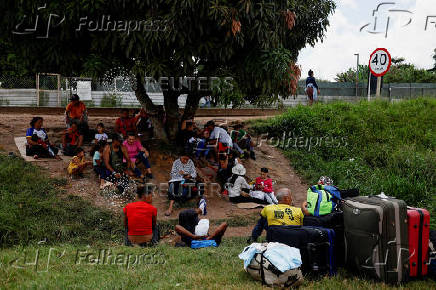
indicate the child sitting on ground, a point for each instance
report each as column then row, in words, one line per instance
column 100, row 135
column 78, row 164
column 98, row 164
column 263, row 188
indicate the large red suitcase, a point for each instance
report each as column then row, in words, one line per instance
column 419, row 231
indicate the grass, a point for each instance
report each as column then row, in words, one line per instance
column 376, row 147
column 163, row 267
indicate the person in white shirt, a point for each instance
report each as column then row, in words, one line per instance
column 100, row 135
column 182, row 173
column 238, row 188
column 219, row 138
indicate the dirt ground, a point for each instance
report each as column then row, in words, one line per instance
column 219, row 207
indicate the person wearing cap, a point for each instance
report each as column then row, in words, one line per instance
column 140, row 219
column 190, row 228
column 76, row 112
column 219, row 137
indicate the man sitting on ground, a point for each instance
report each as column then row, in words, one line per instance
column 140, row 219
column 242, row 142
column 281, row 214
column 125, row 124
column 182, row 173
column 188, row 220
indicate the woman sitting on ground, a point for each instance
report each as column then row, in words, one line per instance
column 137, row 155
column 183, row 173
column 38, row 144
column 78, row 164
column 239, row 189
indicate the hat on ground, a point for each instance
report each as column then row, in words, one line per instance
column 238, row 169
column 74, row 97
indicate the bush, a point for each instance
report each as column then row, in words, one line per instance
column 32, row 209
column 380, row 146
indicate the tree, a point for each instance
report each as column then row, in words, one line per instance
column 400, row 72
column 254, row 42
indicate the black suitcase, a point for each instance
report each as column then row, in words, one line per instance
column 316, row 246
column 334, row 221
column 376, row 237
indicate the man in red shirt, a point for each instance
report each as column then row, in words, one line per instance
column 125, row 124
column 140, row 220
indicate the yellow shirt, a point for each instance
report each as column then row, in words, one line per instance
column 282, row 215
column 75, row 163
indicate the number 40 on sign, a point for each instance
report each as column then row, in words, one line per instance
column 379, row 64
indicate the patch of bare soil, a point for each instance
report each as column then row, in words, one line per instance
column 88, row 188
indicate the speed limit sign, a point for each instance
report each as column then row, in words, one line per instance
column 380, row 62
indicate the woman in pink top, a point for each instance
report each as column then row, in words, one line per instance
column 137, row 154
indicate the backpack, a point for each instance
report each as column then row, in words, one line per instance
column 322, row 199
column 261, row 269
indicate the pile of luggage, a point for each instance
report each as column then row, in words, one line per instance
column 376, row 237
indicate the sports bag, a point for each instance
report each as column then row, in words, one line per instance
column 322, row 200
column 261, row 269
column 197, row 244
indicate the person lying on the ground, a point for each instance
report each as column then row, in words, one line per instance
column 219, row 137
column 38, row 144
column 188, row 221
column 100, row 135
column 98, row 163
column 78, row 164
column 71, row 140
column 281, row 214
column 140, row 220
column 331, row 197
column 125, row 124
column 242, row 142
column 137, row 155
column 183, row 174
column 263, row 188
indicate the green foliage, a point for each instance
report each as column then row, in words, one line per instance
column 110, row 101
column 399, row 72
column 374, row 146
column 32, row 209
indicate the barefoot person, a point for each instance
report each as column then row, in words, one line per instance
column 38, row 144
column 188, row 220
column 140, row 220
column 78, row 164
column 137, row 155
column 312, row 89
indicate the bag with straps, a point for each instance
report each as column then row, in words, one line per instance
column 262, row 269
column 322, row 199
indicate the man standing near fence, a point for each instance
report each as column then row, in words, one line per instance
column 76, row 112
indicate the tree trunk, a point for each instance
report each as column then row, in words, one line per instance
column 192, row 102
column 155, row 113
column 172, row 114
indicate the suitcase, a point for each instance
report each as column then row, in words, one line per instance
column 316, row 246
column 419, row 230
column 334, row 221
column 376, row 237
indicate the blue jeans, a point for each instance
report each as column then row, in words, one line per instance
column 262, row 224
column 140, row 157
